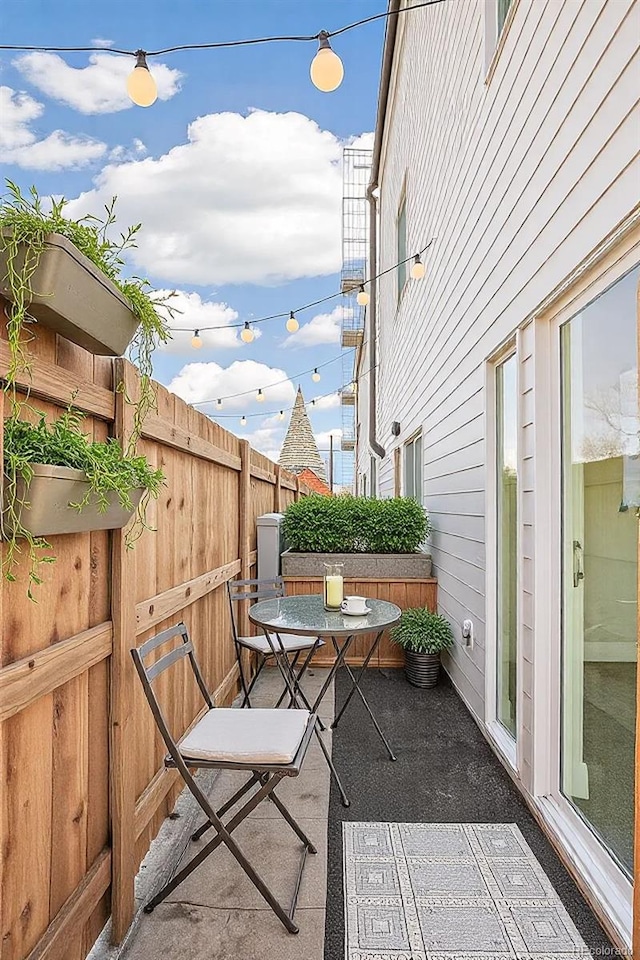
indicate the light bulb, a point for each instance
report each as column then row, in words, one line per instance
column 363, row 297
column 326, row 67
column 313, row 403
column 243, row 421
column 196, row 341
column 417, row 268
column 141, row 86
column 219, row 404
column 247, row 334
column 292, row 323
column 315, row 376
column 260, row 396
column 353, row 386
column 281, row 415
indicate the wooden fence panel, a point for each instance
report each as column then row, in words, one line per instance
column 84, row 788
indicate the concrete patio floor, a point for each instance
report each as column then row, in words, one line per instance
column 217, row 912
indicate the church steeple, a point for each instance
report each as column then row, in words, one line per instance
column 300, row 449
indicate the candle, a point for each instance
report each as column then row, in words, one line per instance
column 333, row 591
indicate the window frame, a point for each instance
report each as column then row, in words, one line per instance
column 402, row 274
column 417, row 473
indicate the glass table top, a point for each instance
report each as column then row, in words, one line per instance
column 306, row 615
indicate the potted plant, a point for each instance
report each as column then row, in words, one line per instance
column 69, row 276
column 423, row 635
column 57, row 480
column 372, row 538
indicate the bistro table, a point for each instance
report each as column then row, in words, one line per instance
column 306, row 615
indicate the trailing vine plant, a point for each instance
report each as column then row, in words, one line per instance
column 25, row 222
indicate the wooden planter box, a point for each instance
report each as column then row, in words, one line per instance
column 73, row 298
column 46, row 511
column 373, row 566
column 405, row 593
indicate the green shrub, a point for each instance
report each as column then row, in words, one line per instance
column 422, row 631
column 346, row 524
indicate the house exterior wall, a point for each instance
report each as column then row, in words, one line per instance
column 517, row 165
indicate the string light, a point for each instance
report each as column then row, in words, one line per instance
column 326, row 67
column 292, row 323
column 306, row 306
column 247, row 334
column 281, row 415
column 315, row 376
column 219, row 403
column 260, row 396
column 243, row 421
column 196, row 340
column 141, row 86
column 363, row 297
column 417, row 268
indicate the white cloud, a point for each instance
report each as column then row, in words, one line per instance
column 323, row 328
column 190, row 313
column 101, row 42
column 323, row 438
column 253, row 199
column 198, row 382
column 362, row 142
column 99, row 87
column 330, row 402
column 121, row 154
column 20, row 145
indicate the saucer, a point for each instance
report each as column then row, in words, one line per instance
column 348, row 613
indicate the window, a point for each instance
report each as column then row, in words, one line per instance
column 507, row 540
column 503, row 10
column 413, row 468
column 401, row 250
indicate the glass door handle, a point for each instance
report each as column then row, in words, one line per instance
column 578, row 570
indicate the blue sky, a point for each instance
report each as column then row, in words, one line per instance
column 234, row 171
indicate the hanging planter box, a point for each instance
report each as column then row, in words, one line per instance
column 75, row 299
column 46, row 511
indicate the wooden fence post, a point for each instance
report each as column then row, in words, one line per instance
column 123, row 614
column 297, row 493
column 245, row 513
column 277, row 497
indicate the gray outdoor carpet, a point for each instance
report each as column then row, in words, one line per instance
column 445, row 773
column 430, row 891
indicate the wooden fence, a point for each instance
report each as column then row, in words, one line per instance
column 84, row 790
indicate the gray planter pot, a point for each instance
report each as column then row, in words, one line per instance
column 359, row 566
column 46, row 511
column 422, row 669
column 75, row 299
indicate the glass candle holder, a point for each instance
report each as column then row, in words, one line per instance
column 333, row 586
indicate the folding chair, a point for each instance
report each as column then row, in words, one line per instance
column 271, row 744
column 280, row 646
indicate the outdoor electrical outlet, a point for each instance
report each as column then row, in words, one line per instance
column 467, row 632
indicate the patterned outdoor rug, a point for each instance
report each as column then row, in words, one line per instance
column 450, row 891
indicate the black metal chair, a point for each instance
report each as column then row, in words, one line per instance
column 271, row 744
column 281, row 647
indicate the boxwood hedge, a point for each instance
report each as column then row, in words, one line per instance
column 345, row 524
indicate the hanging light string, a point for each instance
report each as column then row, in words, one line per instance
column 222, row 44
column 276, row 413
column 416, row 261
column 315, row 376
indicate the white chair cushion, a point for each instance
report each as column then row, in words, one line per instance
column 246, row 736
column 290, row 641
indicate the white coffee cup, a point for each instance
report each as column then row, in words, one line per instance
column 355, row 605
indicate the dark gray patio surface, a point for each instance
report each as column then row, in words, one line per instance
column 445, row 772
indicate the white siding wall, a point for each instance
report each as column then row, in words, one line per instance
column 517, row 180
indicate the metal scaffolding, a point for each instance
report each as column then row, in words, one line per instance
column 356, row 172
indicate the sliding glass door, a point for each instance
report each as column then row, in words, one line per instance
column 601, row 494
